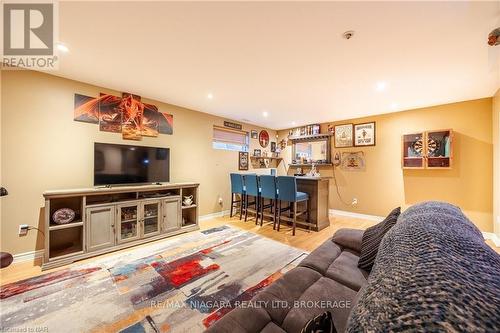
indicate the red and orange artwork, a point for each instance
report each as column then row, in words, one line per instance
column 150, row 120
column 110, row 113
column 165, row 123
column 86, row 109
column 132, row 109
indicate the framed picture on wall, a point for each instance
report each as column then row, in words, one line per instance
column 364, row 134
column 257, row 152
column 242, row 160
column 273, row 147
column 343, row 136
column 254, row 134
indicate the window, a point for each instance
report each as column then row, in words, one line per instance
column 228, row 139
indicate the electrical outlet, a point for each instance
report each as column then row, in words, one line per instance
column 23, row 229
column 354, row 201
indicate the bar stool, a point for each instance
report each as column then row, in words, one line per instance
column 268, row 191
column 237, row 189
column 251, row 190
column 287, row 191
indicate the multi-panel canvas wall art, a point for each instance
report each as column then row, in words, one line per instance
column 127, row 115
column 110, row 113
column 150, row 120
column 165, row 123
column 86, row 109
column 132, row 111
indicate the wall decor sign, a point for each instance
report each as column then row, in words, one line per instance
column 127, row 115
column 264, row 138
column 343, row 136
column 242, row 160
column 353, row 161
column 233, row 125
column 364, row 134
column 254, row 134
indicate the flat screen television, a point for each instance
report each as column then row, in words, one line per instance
column 124, row 164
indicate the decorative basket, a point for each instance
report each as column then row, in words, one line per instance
column 63, row 216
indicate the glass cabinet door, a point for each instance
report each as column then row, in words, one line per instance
column 439, row 149
column 128, row 226
column 413, row 151
column 151, row 218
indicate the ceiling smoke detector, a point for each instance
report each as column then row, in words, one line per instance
column 348, row 34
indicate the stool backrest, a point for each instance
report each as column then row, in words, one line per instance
column 251, row 184
column 287, row 188
column 268, row 186
column 236, row 183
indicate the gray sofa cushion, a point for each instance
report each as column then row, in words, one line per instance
column 288, row 288
column 346, row 271
column 349, row 238
column 322, row 257
column 340, row 301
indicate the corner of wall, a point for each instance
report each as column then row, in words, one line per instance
column 496, row 162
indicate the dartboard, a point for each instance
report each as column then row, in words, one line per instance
column 432, row 146
column 417, row 146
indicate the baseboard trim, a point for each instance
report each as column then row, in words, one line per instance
column 27, row 256
column 32, row 255
column 493, row 237
column 214, row 215
column 355, row 215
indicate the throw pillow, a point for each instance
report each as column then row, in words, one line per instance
column 372, row 238
column 322, row 323
column 349, row 238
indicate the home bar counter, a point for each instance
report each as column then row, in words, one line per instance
column 318, row 190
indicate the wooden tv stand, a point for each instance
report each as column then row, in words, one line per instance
column 112, row 218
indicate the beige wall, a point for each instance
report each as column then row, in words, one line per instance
column 42, row 148
column 384, row 185
column 496, row 162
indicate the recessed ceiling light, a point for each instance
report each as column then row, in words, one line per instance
column 294, row 123
column 62, row 47
column 210, row 96
column 394, row 106
column 381, row 86
column 265, row 113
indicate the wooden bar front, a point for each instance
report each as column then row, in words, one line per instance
column 318, row 190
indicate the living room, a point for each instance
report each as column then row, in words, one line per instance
column 250, row 166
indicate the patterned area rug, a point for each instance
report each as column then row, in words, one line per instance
column 178, row 285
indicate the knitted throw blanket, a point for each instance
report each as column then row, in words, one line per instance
column 433, row 273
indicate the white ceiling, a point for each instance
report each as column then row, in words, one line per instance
column 286, row 58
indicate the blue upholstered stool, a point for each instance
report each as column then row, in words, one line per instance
column 251, row 191
column 287, row 192
column 268, row 191
column 237, row 193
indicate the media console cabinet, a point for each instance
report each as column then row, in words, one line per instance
column 112, row 218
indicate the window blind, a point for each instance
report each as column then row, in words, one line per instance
column 230, row 136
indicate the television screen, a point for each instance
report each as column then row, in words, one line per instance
column 124, row 164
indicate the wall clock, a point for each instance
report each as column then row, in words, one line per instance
column 263, row 138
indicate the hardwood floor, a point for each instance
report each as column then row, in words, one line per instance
column 304, row 240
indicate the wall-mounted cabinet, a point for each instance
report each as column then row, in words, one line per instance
column 427, row 150
column 110, row 219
